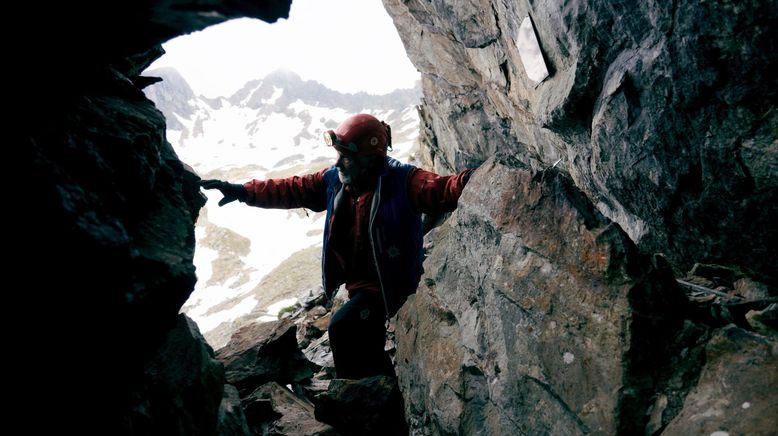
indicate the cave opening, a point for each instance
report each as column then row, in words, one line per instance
column 250, row 100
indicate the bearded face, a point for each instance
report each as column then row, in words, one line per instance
column 354, row 169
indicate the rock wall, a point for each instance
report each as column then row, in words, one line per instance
column 536, row 314
column 544, row 308
column 662, row 112
column 104, row 244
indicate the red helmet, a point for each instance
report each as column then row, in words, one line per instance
column 361, row 134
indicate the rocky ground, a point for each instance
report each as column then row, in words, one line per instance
column 281, row 381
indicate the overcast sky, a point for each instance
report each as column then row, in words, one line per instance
column 347, row 45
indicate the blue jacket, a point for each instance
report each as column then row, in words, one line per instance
column 395, row 231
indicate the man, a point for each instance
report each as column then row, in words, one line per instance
column 372, row 232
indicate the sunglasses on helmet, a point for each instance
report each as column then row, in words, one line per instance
column 332, row 140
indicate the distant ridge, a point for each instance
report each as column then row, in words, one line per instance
column 172, row 93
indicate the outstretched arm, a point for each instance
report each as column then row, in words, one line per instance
column 298, row 191
column 434, row 194
column 306, row 191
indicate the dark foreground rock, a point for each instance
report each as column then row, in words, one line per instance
column 263, row 352
column 372, row 406
column 274, row 410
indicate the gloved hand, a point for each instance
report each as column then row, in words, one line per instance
column 230, row 191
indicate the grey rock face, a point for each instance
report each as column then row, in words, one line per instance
column 737, row 391
column 662, row 112
column 536, row 314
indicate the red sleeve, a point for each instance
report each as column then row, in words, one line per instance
column 434, row 194
column 306, row 191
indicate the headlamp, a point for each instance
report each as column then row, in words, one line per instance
column 331, row 139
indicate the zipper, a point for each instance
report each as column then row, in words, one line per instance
column 373, row 213
column 323, row 253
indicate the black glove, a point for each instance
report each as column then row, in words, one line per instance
column 466, row 176
column 230, row 191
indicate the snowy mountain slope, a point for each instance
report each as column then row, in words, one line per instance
column 271, row 128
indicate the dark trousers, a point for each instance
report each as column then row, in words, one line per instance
column 357, row 335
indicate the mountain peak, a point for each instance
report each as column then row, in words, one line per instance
column 283, row 75
column 171, row 80
column 171, row 96
column 259, row 93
